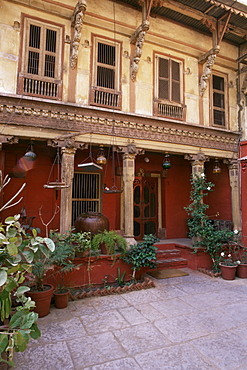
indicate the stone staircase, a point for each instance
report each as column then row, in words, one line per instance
column 168, row 256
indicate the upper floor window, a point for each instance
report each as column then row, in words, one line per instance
column 105, row 89
column 40, row 71
column 218, row 100
column 169, row 88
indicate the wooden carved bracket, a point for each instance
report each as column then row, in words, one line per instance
column 218, row 29
column 138, row 37
column 76, row 22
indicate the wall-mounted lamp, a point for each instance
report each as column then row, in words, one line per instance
column 166, row 163
column 101, row 159
column 216, row 168
column 30, row 155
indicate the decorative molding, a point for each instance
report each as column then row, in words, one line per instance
column 138, row 37
column 76, row 22
column 199, row 157
column 82, row 121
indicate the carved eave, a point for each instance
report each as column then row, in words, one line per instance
column 218, row 29
column 76, row 22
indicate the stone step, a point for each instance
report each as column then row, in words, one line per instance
column 164, row 246
column 168, row 253
column 171, row 263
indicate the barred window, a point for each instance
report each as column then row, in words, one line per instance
column 219, row 111
column 85, row 194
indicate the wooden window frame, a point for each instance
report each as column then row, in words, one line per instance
column 167, row 107
column 225, row 93
column 102, row 96
column 40, row 85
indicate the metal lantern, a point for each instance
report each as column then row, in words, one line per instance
column 101, row 159
column 166, row 163
column 30, row 155
column 216, row 168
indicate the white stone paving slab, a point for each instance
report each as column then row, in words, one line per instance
column 104, row 321
column 122, row 364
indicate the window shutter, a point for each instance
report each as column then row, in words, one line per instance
column 106, row 59
column 175, row 67
column 163, row 78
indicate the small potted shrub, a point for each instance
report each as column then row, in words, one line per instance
column 228, row 265
column 109, row 242
column 142, row 254
column 242, row 264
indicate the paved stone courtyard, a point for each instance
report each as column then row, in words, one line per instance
column 189, row 322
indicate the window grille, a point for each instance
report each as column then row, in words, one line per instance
column 85, row 194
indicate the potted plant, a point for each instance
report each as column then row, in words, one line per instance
column 242, row 264
column 201, row 229
column 109, row 242
column 61, row 297
column 82, row 243
column 228, row 265
column 142, row 254
column 18, row 321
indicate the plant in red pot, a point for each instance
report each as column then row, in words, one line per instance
column 242, row 263
column 228, row 266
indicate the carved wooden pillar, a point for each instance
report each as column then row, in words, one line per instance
column 233, row 168
column 68, row 155
column 128, row 179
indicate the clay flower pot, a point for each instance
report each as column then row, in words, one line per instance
column 61, row 298
column 242, row 270
column 228, row 272
column 42, row 299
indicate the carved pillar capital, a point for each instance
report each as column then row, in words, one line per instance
column 76, row 21
column 197, row 162
column 206, row 73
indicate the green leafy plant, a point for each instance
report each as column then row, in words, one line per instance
column 227, row 259
column 201, row 228
column 111, row 240
column 142, row 254
column 120, row 277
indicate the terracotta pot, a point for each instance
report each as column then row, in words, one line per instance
column 61, row 298
column 103, row 249
column 228, row 272
column 91, row 221
column 242, row 270
column 82, row 254
column 42, row 300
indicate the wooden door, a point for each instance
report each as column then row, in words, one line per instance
column 145, row 206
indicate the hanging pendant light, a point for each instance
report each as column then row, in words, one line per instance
column 30, row 155
column 101, row 159
column 216, row 168
column 166, row 163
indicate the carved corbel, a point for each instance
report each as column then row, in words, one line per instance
column 76, row 22
column 207, row 71
column 138, row 38
column 218, row 30
column 9, row 139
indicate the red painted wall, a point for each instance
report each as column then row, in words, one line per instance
column 243, row 176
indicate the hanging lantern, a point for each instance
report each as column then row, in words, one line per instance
column 101, row 159
column 166, row 163
column 216, row 168
column 30, row 155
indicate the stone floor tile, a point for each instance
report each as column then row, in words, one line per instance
column 167, row 292
column 215, row 320
column 140, row 296
column 122, row 364
column 140, row 338
column 53, row 356
column 181, row 328
column 133, row 316
column 104, row 321
column 194, row 287
column 179, row 357
column 94, row 350
column 149, row 312
column 207, row 300
column 60, row 331
column 172, row 307
column 110, row 302
column 82, row 307
column 227, row 350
